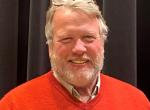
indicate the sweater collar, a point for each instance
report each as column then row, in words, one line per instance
column 70, row 88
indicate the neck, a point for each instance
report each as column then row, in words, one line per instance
column 86, row 92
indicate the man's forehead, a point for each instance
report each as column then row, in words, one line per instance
column 63, row 11
column 66, row 13
column 68, row 21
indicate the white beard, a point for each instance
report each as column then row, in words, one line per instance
column 81, row 77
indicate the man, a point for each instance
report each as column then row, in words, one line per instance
column 76, row 33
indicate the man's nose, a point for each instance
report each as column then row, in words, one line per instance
column 79, row 47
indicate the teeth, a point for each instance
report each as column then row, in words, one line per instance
column 79, row 61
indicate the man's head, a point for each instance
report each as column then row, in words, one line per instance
column 76, row 32
column 88, row 6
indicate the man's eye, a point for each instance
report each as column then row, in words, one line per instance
column 89, row 38
column 65, row 40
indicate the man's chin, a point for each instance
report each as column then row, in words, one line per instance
column 80, row 77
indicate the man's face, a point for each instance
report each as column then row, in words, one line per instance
column 77, row 49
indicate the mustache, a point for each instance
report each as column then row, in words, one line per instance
column 93, row 61
column 83, row 57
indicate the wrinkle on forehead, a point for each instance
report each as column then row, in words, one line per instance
column 66, row 16
column 72, row 15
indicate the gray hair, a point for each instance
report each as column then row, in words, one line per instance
column 88, row 6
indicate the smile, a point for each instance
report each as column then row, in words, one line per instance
column 78, row 61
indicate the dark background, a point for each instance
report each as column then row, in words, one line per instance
column 23, row 49
column 143, row 46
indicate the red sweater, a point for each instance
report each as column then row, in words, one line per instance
column 45, row 93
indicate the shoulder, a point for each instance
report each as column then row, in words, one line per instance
column 122, row 89
column 117, row 84
column 33, row 84
column 31, row 87
column 38, row 92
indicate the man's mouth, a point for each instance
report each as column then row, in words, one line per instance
column 78, row 61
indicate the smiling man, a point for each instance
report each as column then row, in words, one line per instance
column 76, row 49
column 76, row 33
